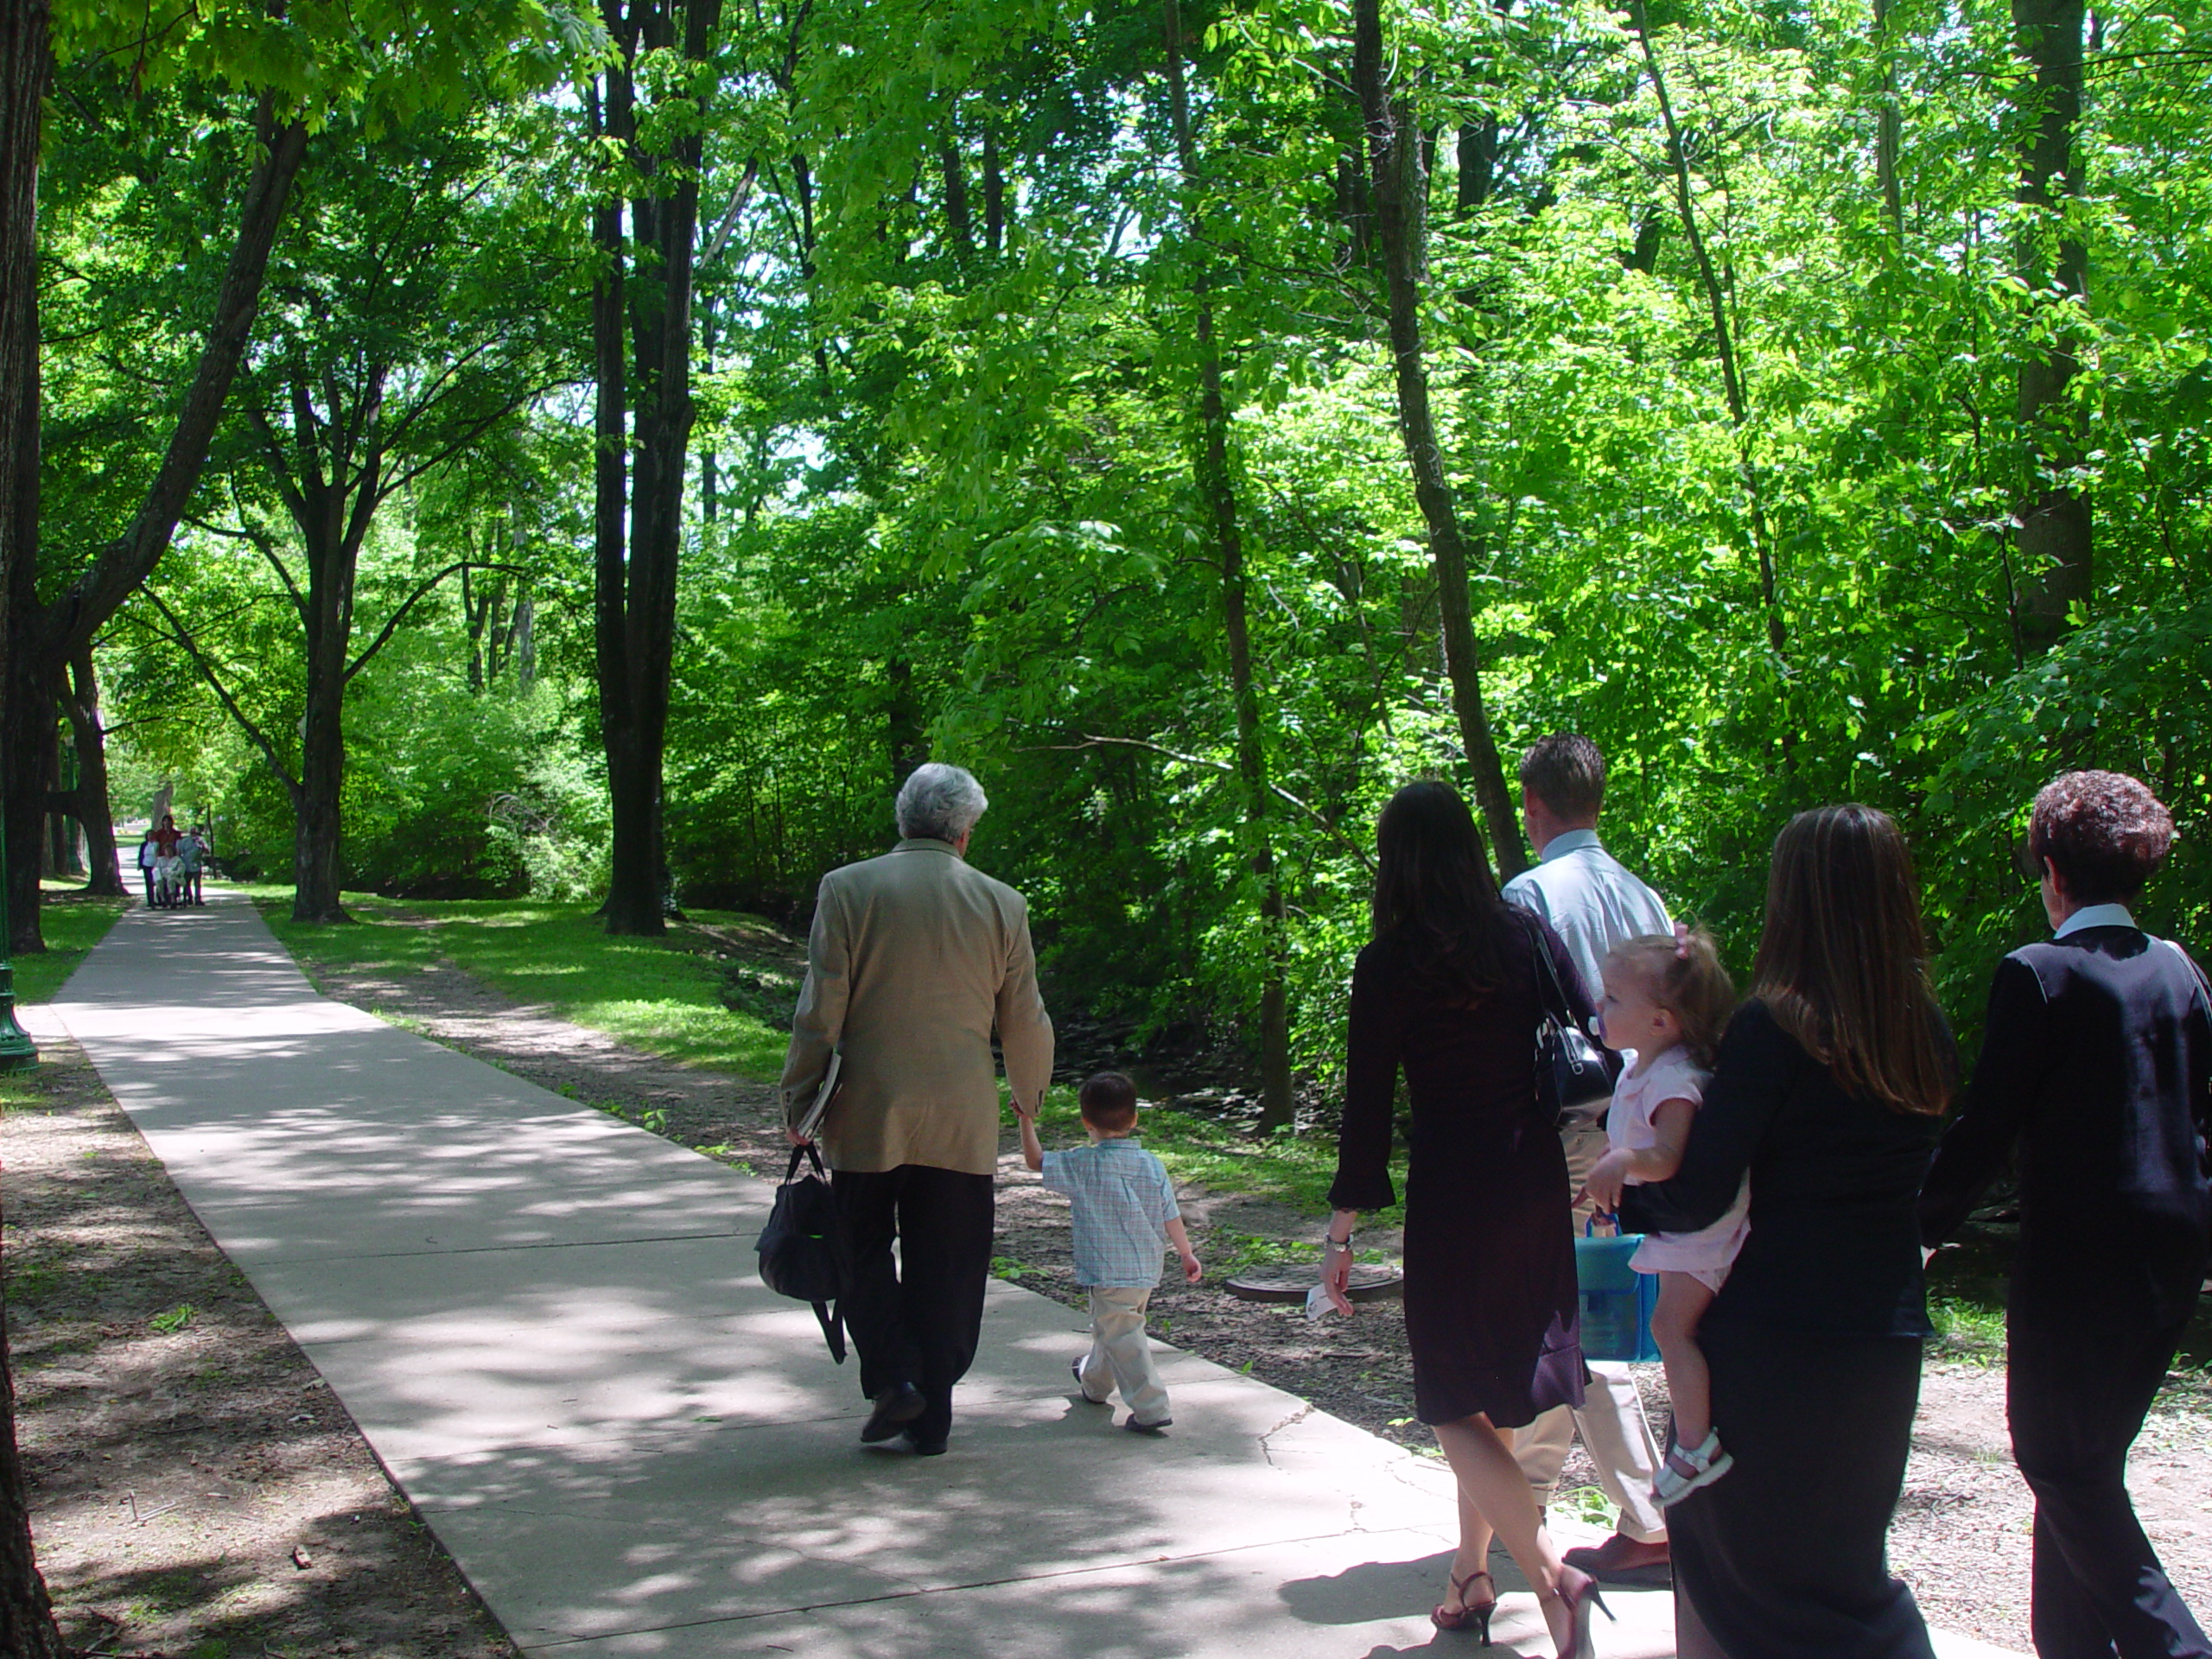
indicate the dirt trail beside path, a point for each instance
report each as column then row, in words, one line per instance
column 196, row 1489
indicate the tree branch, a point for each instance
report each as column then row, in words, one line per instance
column 178, row 637
column 1358, row 851
column 397, row 616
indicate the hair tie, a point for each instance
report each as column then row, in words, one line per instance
column 1682, row 941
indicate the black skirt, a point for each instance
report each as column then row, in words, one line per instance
column 1786, row 1555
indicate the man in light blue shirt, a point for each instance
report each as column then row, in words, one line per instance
column 1593, row 903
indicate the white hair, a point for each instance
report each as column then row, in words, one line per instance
column 940, row 803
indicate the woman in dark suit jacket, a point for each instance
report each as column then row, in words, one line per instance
column 2096, row 1065
column 1448, row 992
column 1827, row 1092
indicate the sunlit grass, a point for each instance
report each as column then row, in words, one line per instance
column 656, row 995
column 72, row 924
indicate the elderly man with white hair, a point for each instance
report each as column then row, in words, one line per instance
column 913, row 959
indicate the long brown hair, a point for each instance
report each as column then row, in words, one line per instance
column 1434, row 889
column 1841, row 963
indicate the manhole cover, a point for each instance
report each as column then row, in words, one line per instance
column 1369, row 1284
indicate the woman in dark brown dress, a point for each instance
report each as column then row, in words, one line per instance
column 1448, row 992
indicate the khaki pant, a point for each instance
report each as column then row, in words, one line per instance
column 1120, row 1354
column 1614, row 1429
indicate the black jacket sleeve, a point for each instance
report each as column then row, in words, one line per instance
column 1751, row 1078
column 2016, row 1056
column 1372, row 1049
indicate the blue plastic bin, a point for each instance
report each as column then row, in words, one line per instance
column 1617, row 1299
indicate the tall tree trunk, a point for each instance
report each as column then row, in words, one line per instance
column 957, row 220
column 27, row 1628
column 634, row 585
column 1478, row 163
column 1401, row 205
column 90, row 798
column 1888, row 127
column 42, row 639
column 994, row 189
column 2055, row 528
column 1218, row 489
column 905, row 739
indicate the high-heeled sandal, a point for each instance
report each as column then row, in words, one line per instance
column 1470, row 1612
column 1579, row 1590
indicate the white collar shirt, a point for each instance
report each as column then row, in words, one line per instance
column 2095, row 916
column 1591, row 899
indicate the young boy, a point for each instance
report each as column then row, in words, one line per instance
column 1124, row 1210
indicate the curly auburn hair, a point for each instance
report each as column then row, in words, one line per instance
column 1684, row 976
column 2104, row 834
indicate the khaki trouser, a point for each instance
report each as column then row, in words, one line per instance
column 1614, row 1429
column 1120, row 1354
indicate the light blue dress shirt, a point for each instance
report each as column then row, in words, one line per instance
column 1122, row 1202
column 1591, row 899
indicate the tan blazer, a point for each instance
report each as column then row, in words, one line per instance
column 914, row 957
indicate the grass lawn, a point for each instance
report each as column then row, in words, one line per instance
column 658, row 994
column 72, row 924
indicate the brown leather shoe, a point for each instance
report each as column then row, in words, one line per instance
column 1623, row 1560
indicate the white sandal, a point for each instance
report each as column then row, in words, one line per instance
column 1707, row 1463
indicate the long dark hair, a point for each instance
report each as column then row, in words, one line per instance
column 1434, row 890
column 1842, row 964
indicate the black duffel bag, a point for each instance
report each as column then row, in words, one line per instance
column 804, row 1251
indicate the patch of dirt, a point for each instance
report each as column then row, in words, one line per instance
column 196, row 1488
column 1961, row 1533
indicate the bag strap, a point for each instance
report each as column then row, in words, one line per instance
column 1557, row 1006
column 806, row 1153
column 833, row 1328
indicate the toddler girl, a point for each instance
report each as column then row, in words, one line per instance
column 1666, row 1002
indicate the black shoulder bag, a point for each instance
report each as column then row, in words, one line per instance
column 804, row 1251
column 1574, row 1078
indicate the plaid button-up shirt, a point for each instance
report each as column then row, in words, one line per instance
column 1122, row 1202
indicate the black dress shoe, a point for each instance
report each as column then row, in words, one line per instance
column 926, row 1448
column 896, row 1407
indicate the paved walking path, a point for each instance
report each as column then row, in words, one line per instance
column 548, row 1325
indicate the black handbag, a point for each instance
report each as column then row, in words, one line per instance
column 1574, row 1073
column 803, row 1252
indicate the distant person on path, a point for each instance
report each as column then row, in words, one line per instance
column 1829, row 1090
column 2095, row 1066
column 1448, row 992
column 1666, row 1003
column 1593, row 903
column 191, row 854
column 147, row 854
column 165, row 837
column 914, row 958
column 1123, row 1209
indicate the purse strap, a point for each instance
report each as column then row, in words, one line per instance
column 805, row 1153
column 1557, row 1006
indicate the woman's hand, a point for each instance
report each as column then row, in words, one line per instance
column 1607, row 1176
column 1336, row 1260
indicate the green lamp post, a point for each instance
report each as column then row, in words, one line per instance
column 17, row 1052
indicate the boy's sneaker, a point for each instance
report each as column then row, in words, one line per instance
column 1076, row 1366
column 1136, row 1427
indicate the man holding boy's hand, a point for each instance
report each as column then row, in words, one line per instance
column 1124, row 1211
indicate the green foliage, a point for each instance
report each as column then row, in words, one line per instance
column 942, row 502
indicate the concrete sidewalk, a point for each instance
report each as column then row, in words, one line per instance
column 547, row 1325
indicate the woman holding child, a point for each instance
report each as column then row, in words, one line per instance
column 1827, row 1093
column 1448, row 992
